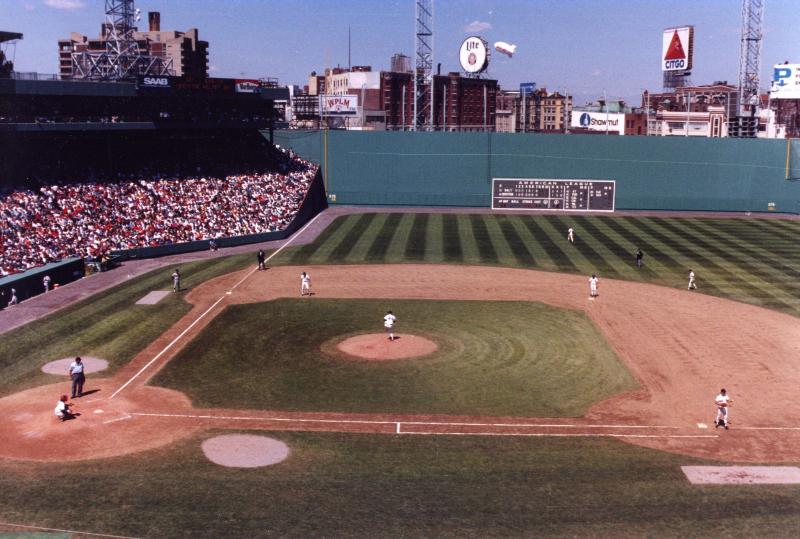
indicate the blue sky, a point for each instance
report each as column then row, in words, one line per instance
column 584, row 46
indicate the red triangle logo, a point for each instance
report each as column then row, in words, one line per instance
column 675, row 50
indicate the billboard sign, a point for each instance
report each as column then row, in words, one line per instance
column 598, row 121
column 247, row 86
column 339, row 105
column 786, row 81
column 677, row 49
column 474, row 55
column 151, row 81
column 526, row 88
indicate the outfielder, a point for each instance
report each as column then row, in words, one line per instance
column 593, row 280
column 176, row 280
column 388, row 323
column 692, row 285
column 305, row 284
column 723, row 402
column 571, row 235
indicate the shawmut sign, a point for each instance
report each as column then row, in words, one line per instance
column 339, row 105
column 599, row 121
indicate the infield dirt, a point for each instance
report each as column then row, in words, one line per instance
column 681, row 346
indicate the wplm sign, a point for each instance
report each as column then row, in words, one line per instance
column 677, row 49
column 786, row 81
column 339, row 105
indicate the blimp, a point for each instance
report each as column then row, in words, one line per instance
column 505, row 48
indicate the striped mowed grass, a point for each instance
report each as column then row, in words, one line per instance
column 750, row 260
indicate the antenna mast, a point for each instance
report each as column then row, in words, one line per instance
column 750, row 64
column 423, row 73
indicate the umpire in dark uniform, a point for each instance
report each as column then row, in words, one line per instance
column 260, row 257
column 78, row 378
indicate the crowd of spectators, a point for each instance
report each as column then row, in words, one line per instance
column 89, row 220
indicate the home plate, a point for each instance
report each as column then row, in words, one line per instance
column 98, row 411
column 742, row 475
column 702, row 426
column 153, row 297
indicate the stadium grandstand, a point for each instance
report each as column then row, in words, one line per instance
column 97, row 170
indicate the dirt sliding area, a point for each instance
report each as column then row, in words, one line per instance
column 378, row 347
column 682, row 347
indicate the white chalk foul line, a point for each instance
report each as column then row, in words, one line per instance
column 11, row 524
column 398, row 425
column 562, row 435
column 127, row 416
column 185, row 331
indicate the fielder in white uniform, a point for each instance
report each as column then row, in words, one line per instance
column 388, row 323
column 593, row 280
column 305, row 284
column 571, row 235
column 692, row 285
column 722, row 401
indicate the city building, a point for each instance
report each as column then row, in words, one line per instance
column 539, row 111
column 459, row 103
column 183, row 52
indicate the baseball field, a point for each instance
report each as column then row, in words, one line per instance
column 510, row 405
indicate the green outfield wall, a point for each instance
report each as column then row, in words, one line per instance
column 455, row 169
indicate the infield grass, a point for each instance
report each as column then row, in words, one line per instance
column 352, row 485
column 108, row 325
column 494, row 358
column 752, row 260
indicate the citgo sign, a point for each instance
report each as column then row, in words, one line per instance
column 677, row 47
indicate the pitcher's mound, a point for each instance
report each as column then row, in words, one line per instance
column 60, row 366
column 378, row 347
column 244, row 450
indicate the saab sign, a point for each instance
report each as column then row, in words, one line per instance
column 677, row 49
column 786, row 81
column 153, row 82
column 599, row 121
column 339, row 105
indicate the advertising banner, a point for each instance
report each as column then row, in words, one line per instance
column 339, row 105
column 786, row 81
column 599, row 121
column 153, row 81
column 247, row 86
column 677, row 49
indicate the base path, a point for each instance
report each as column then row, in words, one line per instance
column 681, row 346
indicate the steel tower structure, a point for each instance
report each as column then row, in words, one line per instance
column 423, row 72
column 122, row 58
column 750, row 62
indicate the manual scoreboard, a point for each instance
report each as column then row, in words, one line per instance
column 545, row 194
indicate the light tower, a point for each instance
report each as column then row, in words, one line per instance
column 122, row 58
column 750, row 64
column 423, row 72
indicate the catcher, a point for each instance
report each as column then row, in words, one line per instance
column 723, row 402
column 63, row 411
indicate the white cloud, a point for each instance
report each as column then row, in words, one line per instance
column 66, row 5
column 596, row 73
column 478, row 26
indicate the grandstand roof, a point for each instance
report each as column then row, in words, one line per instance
column 9, row 36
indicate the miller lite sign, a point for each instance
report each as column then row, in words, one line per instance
column 677, row 48
column 474, row 55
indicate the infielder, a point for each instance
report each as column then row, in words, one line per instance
column 722, row 401
column 593, row 280
column 305, row 284
column 388, row 323
column 571, row 235
column 692, row 285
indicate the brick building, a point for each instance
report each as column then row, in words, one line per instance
column 188, row 55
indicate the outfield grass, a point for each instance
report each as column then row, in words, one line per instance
column 350, row 485
column 755, row 260
column 495, row 358
column 108, row 325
